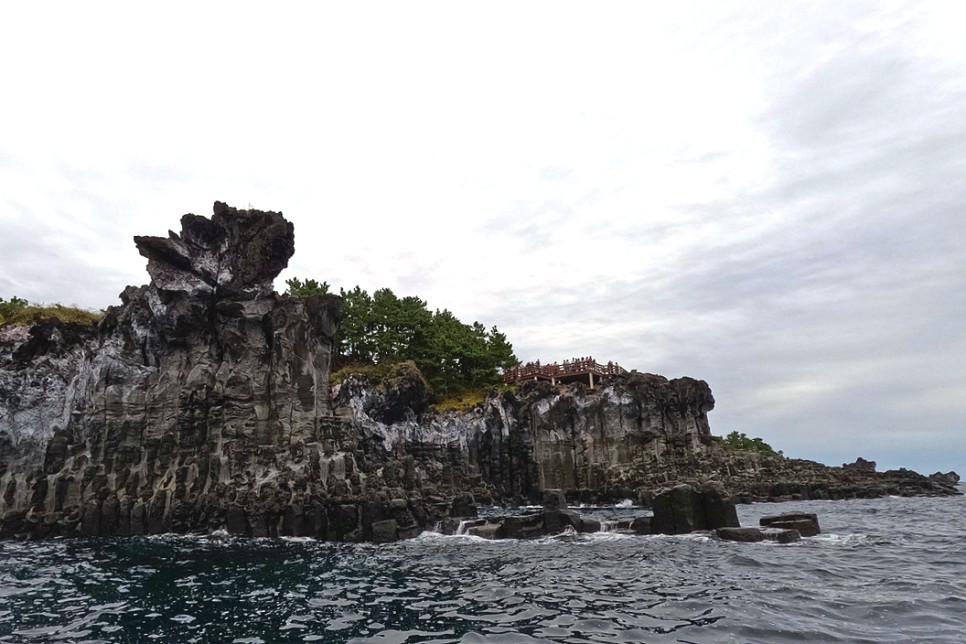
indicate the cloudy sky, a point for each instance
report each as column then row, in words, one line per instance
column 768, row 196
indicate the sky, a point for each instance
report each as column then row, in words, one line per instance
column 767, row 196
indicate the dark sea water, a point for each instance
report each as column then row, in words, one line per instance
column 884, row 570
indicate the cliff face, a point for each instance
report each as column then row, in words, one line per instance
column 514, row 445
column 204, row 391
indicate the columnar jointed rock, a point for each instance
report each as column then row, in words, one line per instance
column 202, row 401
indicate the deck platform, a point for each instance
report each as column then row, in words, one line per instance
column 576, row 370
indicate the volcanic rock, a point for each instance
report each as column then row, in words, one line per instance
column 806, row 523
column 753, row 535
column 683, row 509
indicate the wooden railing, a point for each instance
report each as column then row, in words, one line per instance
column 555, row 370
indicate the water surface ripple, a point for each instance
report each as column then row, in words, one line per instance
column 884, row 570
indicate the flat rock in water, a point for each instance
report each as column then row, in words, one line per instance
column 745, row 535
column 781, row 535
column 754, row 535
column 805, row 522
column 485, row 531
column 523, row 526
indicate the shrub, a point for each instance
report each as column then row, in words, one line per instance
column 740, row 440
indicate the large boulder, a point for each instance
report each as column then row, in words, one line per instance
column 557, row 521
column 554, row 500
column 683, row 509
column 522, row 526
column 464, row 506
column 805, row 522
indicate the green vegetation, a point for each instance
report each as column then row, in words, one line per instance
column 18, row 312
column 736, row 440
column 462, row 401
column 298, row 288
column 382, row 329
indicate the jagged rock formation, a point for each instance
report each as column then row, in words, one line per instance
column 203, row 402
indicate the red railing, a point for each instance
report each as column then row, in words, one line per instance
column 575, row 367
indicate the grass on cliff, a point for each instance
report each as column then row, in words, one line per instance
column 460, row 400
column 373, row 373
column 19, row 312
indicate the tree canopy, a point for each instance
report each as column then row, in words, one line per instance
column 740, row 440
column 383, row 328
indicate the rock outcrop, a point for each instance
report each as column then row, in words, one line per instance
column 591, row 443
column 805, row 522
column 203, row 402
column 631, row 437
column 682, row 509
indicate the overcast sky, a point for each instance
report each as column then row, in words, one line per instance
column 768, row 196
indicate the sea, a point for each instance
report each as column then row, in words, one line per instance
column 882, row 570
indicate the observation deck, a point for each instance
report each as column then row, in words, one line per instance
column 575, row 370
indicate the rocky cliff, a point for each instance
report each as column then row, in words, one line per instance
column 203, row 402
column 631, row 437
column 518, row 443
column 202, row 397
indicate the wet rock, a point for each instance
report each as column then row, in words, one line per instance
column 641, row 525
column 554, row 500
column 464, row 506
column 781, row 535
column 588, row 524
column 683, row 509
column 524, row 526
column 384, row 531
column 719, row 508
column 485, row 531
column 752, row 535
column 557, row 521
column 805, row 523
column 448, row 525
column 745, row 535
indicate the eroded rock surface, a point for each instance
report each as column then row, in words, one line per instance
column 202, row 400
